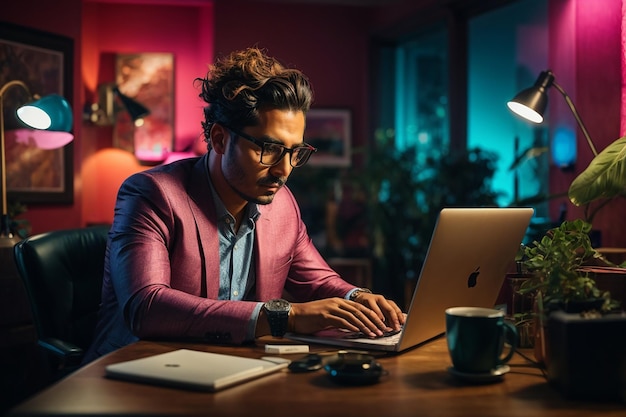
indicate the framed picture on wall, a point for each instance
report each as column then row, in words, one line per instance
column 148, row 78
column 330, row 131
column 44, row 62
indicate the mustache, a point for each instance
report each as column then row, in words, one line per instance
column 271, row 180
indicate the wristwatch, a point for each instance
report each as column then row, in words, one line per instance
column 278, row 316
column 358, row 291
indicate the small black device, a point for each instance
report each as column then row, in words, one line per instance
column 309, row 363
column 354, row 369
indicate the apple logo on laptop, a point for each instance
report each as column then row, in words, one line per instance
column 473, row 277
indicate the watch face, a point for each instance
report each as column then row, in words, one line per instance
column 278, row 305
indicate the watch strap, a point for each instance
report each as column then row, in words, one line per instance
column 278, row 318
column 278, row 321
column 358, row 291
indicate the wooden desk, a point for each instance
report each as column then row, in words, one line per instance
column 417, row 385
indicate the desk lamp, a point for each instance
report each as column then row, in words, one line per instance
column 531, row 103
column 604, row 178
column 52, row 113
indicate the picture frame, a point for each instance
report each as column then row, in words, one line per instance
column 330, row 131
column 44, row 62
column 148, row 78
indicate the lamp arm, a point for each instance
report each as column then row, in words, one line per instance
column 570, row 103
column 10, row 84
column 4, row 221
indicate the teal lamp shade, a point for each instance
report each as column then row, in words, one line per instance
column 51, row 118
column 531, row 103
column 51, row 112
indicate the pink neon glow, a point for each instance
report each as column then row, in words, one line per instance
column 623, row 63
column 150, row 156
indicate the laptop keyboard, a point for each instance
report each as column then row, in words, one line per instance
column 390, row 337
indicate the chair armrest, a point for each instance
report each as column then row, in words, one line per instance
column 65, row 350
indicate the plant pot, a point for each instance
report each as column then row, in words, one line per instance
column 541, row 349
column 591, row 355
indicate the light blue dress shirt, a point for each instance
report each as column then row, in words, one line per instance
column 237, row 275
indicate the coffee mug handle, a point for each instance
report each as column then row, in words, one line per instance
column 510, row 335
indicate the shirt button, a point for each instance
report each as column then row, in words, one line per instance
column 235, row 293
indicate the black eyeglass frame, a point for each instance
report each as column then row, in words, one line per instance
column 261, row 144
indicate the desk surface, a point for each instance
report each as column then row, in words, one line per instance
column 417, row 384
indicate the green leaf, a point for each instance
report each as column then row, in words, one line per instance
column 605, row 177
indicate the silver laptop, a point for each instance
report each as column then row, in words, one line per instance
column 470, row 251
column 195, row 370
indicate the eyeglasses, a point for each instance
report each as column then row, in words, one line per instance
column 272, row 153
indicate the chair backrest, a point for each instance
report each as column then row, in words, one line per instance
column 62, row 272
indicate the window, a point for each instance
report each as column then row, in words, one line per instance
column 507, row 49
column 421, row 89
column 417, row 108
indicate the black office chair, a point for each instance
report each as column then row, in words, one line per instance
column 62, row 272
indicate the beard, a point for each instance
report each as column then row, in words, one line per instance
column 234, row 174
column 261, row 199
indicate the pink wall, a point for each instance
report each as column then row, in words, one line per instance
column 598, row 81
column 134, row 28
column 623, row 68
column 585, row 54
column 110, row 28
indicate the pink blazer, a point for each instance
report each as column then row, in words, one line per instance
column 161, row 275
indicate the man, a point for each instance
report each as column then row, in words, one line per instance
column 205, row 248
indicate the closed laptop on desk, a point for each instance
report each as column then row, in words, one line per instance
column 194, row 370
column 467, row 259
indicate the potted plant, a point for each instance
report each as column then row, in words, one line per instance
column 556, row 274
column 555, row 267
column 564, row 249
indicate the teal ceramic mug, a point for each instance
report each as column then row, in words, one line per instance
column 476, row 338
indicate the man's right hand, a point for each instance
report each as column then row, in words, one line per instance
column 314, row 316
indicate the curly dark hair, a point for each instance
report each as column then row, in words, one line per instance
column 244, row 82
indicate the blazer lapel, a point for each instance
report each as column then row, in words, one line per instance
column 264, row 260
column 202, row 209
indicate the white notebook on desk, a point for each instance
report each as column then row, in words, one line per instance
column 194, row 370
